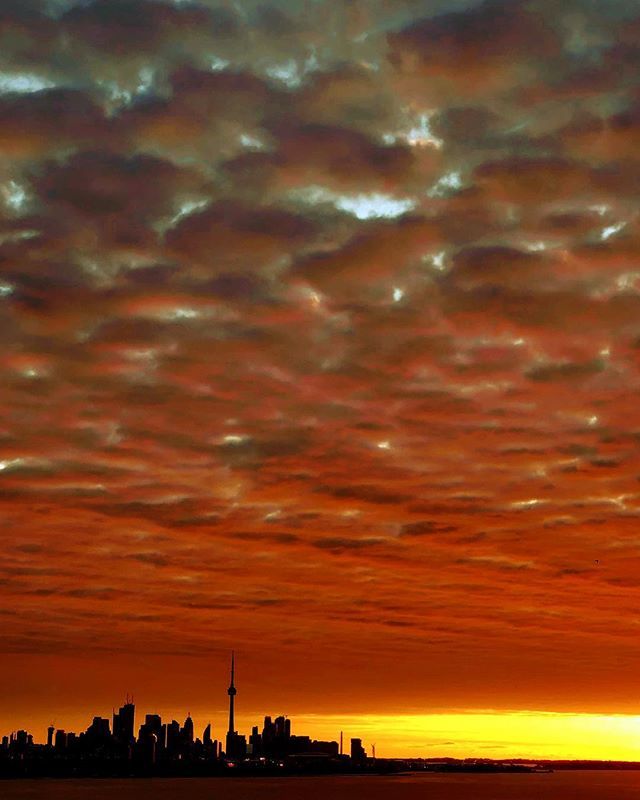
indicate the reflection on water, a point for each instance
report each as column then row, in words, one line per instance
column 556, row 786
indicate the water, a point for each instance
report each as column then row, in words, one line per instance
column 554, row 786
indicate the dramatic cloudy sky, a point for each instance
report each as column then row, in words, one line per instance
column 321, row 340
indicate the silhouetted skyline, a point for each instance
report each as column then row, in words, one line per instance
column 162, row 745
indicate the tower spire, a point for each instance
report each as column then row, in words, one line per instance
column 231, row 691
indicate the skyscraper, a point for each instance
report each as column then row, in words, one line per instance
column 174, row 741
column 206, row 736
column 187, row 731
column 123, row 723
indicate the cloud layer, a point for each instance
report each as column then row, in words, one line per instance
column 321, row 330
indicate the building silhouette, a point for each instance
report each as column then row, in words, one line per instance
column 236, row 744
column 187, row 731
column 358, row 754
column 206, row 735
column 110, row 747
column 124, row 724
column 60, row 740
column 174, row 739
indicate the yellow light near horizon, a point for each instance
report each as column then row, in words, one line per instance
column 459, row 734
column 525, row 734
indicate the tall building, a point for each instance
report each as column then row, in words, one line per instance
column 357, row 751
column 21, row 741
column 98, row 733
column 50, row 732
column 152, row 738
column 283, row 727
column 268, row 732
column 187, row 731
column 174, row 740
column 206, row 736
column 123, row 723
column 255, row 742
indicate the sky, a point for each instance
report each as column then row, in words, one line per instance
column 320, row 336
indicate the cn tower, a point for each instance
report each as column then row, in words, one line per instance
column 231, row 691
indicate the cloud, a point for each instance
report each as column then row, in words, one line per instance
column 39, row 123
column 425, row 528
column 550, row 372
column 369, row 494
column 224, row 237
column 125, row 27
column 310, row 155
column 483, row 48
column 317, row 322
column 340, row 544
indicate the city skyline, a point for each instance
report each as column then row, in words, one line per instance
column 320, row 341
column 119, row 746
column 433, row 729
column 122, row 727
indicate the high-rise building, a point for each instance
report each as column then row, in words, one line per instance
column 153, row 727
column 174, row 740
column 206, row 736
column 152, row 738
column 50, row 732
column 283, row 727
column 21, row 741
column 255, row 742
column 187, row 730
column 236, row 745
column 124, row 722
column 358, row 753
column 98, row 733
column 269, row 730
column 268, row 737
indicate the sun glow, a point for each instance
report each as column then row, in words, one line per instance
column 530, row 734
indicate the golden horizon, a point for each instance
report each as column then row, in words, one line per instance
column 464, row 733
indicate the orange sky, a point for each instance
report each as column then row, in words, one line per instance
column 320, row 342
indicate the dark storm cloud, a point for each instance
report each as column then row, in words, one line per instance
column 323, row 154
column 55, row 119
column 120, row 27
column 223, row 236
column 481, row 48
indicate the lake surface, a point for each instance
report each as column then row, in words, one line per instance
column 554, row 786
